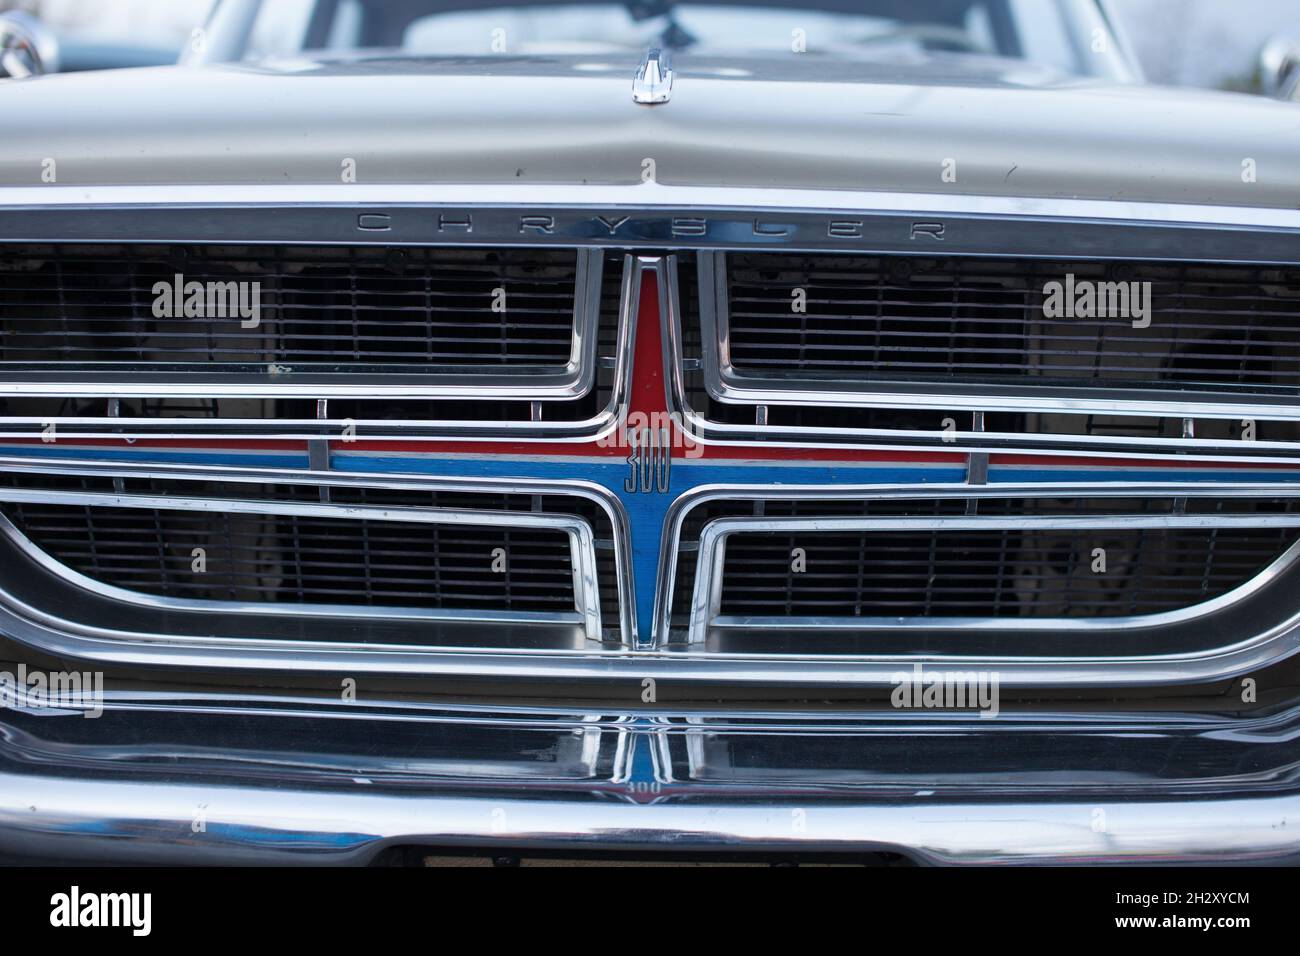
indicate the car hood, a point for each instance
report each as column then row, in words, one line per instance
column 994, row 127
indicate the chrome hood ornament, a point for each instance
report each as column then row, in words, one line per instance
column 653, row 82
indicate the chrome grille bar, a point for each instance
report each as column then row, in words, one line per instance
column 931, row 579
column 1256, row 623
column 970, row 418
column 532, row 404
column 333, row 322
column 384, row 568
column 970, row 335
column 415, row 594
column 1217, row 327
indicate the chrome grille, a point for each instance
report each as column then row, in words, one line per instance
column 442, row 565
column 992, row 574
column 336, row 309
column 896, row 572
column 378, row 340
column 847, row 376
column 304, row 559
column 982, row 320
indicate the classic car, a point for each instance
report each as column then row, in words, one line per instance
column 861, row 428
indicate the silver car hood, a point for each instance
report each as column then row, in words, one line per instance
column 785, row 122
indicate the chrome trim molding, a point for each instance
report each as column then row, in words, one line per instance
column 350, row 825
column 725, row 384
column 706, row 600
column 589, row 200
column 474, row 777
column 582, row 550
column 709, row 432
column 595, row 427
column 483, row 384
column 657, row 218
column 1273, row 644
column 658, row 660
column 47, row 630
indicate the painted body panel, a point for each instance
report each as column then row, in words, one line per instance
column 819, row 123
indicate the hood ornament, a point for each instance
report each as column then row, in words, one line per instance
column 653, row 82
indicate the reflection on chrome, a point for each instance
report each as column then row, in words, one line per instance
column 299, row 780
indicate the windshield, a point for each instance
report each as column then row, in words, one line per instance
column 1041, row 31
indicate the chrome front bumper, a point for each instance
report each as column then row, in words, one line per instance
column 200, row 782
